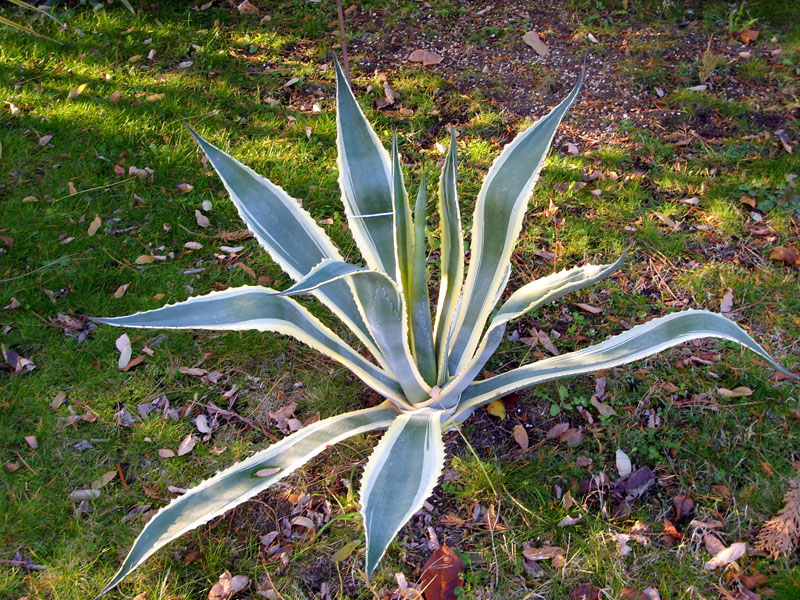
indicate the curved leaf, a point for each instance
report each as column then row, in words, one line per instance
column 260, row 308
column 242, row 481
column 499, row 211
column 401, row 473
column 452, row 258
column 634, row 344
column 384, row 311
column 286, row 231
column 419, row 303
column 365, row 177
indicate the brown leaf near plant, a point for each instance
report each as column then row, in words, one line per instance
column 785, row 254
column 780, row 536
column 442, row 574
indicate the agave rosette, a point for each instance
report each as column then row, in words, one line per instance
column 425, row 365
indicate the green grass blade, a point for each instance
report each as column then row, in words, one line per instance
column 262, row 309
column 637, row 343
column 401, row 473
column 242, row 481
column 499, row 211
column 286, row 231
column 452, row 257
column 365, row 178
column 419, row 304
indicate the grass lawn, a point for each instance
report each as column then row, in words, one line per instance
column 102, row 199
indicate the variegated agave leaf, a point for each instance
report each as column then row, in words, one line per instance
column 426, row 367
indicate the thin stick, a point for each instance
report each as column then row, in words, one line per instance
column 344, row 41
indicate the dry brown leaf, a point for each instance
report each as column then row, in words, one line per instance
column 738, row 392
column 785, row 254
column 546, row 553
column 713, row 544
column 749, row 35
column 165, row 453
column 442, row 574
column 532, row 39
column 727, row 302
column 780, row 536
column 748, row 201
column 114, row 97
column 624, row 467
column 32, row 441
column 71, row 188
column 267, row 472
column 202, row 220
column 121, row 290
column 521, row 436
column 726, row 556
column 193, row 371
column 557, row 430
column 568, row 521
column 45, row 139
column 103, row 480
column 426, row 57
column 144, row 259
column 589, row 308
column 247, row 8
column 228, row 586
column 186, row 445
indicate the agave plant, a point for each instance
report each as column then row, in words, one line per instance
column 425, row 366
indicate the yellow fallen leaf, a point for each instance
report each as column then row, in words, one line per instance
column 144, row 259
column 94, row 226
column 497, row 409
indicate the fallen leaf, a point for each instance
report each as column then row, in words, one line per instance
column 748, row 201
column 442, row 574
column 32, row 441
column 602, row 408
column 165, row 453
column 193, row 371
column 545, row 553
column 345, row 551
column 193, row 245
column 749, row 35
column 76, row 91
column 45, row 139
column 683, row 506
column 727, row 302
column 532, row 39
column 201, row 219
column 589, row 308
column 426, row 57
column 228, row 586
column 726, row 556
column 71, row 188
column 624, row 467
column 496, row 408
column 592, row 38
column 572, row 149
column 79, row 495
column 738, row 392
column 585, row 591
column 11, row 466
column 103, row 480
column 787, row 255
column 58, row 400
column 521, row 436
column 114, row 97
column 572, row 437
column 184, row 187
column 120, row 292
column 144, row 259
column 94, row 226
column 556, row 430
column 247, row 8
column 568, row 521
column 123, row 344
column 713, row 544
column 186, row 445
